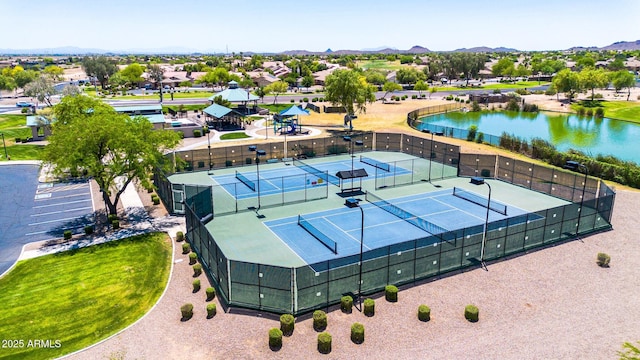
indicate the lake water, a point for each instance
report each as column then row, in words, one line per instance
column 587, row 134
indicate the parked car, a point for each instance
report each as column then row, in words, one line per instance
column 24, row 104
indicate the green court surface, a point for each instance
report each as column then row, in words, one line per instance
column 244, row 237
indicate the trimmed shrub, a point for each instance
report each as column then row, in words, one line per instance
column 475, row 107
column 187, row 311
column 211, row 293
column 357, row 333
column 275, row 338
column 196, row 285
column 603, row 260
column 88, row 230
column 480, row 138
column 193, row 258
column 424, row 313
column 599, row 113
column 512, row 105
column 67, row 234
column 471, row 313
column 211, row 310
column 324, row 343
column 319, row 320
column 112, row 217
column 589, row 112
column 186, row 248
column 471, row 132
column 391, row 293
column 197, row 133
column 115, row 224
column 287, row 324
column 197, row 269
column 155, row 199
column 369, row 307
column 580, row 111
column 179, row 236
column 346, row 304
column 305, row 99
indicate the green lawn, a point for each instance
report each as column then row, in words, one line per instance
column 234, row 136
column 621, row 110
column 80, row 297
column 493, row 86
column 13, row 126
column 381, row 65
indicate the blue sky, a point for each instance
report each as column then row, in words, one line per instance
column 279, row 25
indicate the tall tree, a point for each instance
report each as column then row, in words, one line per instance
column 277, row 88
column 156, row 74
column 567, row 82
column 408, row 76
column 99, row 67
column 347, row 88
column 390, row 87
column 54, row 71
column 132, row 74
column 41, row 88
column 623, row 79
column 420, row 86
column 504, row 67
column 90, row 137
column 591, row 79
column 307, row 81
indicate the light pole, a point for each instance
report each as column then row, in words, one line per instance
column 6, row 156
column 356, row 203
column 430, row 156
column 480, row 181
column 259, row 153
column 209, row 147
column 576, row 166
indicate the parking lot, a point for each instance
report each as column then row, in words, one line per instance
column 32, row 211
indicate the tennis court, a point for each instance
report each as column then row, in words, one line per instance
column 244, row 184
column 335, row 233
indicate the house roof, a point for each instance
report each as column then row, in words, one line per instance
column 155, row 118
column 37, row 120
column 134, row 108
column 217, row 111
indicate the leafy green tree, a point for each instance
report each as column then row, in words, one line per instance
column 117, row 80
column 132, row 74
column 406, row 59
column 222, row 75
column 375, row 77
column 54, row 71
column 390, row 87
column 260, row 93
column 623, row 79
column 348, row 87
column 420, row 86
column 210, row 78
column 89, row 137
column 585, row 61
column 221, row 101
column 41, row 88
column 432, row 90
column 616, row 65
column 567, row 82
column 467, row 64
column 630, row 352
column 7, row 83
column 277, row 88
column 246, row 83
column 99, row 67
column 308, row 81
column 408, row 76
column 504, row 67
column 591, row 78
column 156, row 74
column 522, row 70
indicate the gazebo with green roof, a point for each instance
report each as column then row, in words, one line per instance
column 239, row 96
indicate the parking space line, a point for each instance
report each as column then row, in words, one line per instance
column 61, row 211
column 58, row 204
column 57, row 220
column 65, row 196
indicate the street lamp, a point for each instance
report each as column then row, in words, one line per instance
column 356, row 203
column 480, row 181
column 430, row 156
column 576, row 166
column 6, row 156
column 259, row 153
column 209, row 147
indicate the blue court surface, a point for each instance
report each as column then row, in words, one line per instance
column 293, row 178
column 436, row 211
column 32, row 211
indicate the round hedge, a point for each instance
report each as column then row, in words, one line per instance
column 346, row 304
column 275, row 338
column 324, row 343
column 471, row 313
column 187, row 311
column 197, row 270
column 369, row 307
column 287, row 324
column 319, row 320
column 211, row 293
column 357, row 333
column 391, row 293
column 186, row 248
column 196, row 285
column 179, row 236
column 211, row 310
column 424, row 313
column 193, row 258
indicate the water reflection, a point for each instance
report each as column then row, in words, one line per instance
column 587, row 134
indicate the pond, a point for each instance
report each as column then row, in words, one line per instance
column 590, row 135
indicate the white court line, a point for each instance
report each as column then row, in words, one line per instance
column 58, row 204
column 346, row 233
column 62, row 211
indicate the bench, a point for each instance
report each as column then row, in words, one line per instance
column 272, row 161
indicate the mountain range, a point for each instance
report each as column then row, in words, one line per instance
column 71, row 50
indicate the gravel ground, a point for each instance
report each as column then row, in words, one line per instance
column 554, row 303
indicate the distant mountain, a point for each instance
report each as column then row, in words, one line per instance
column 623, row 46
column 417, row 49
column 64, row 50
column 485, row 49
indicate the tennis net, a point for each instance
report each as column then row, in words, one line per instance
column 379, row 164
column 246, row 181
column 404, row 215
column 324, row 175
column 480, row 200
column 319, row 235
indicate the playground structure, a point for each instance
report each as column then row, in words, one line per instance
column 284, row 125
